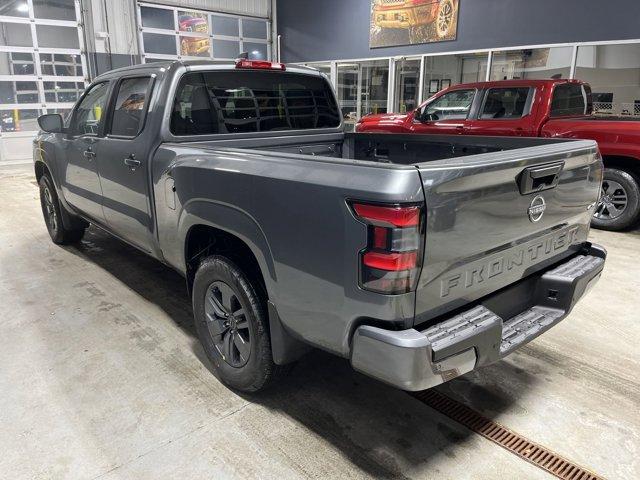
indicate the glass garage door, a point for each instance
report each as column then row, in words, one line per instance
column 170, row 33
column 42, row 69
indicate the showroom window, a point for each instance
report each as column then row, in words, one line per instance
column 613, row 72
column 41, row 66
column 169, row 33
column 442, row 71
column 407, row 81
column 362, row 89
column 534, row 63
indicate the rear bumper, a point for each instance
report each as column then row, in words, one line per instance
column 416, row 360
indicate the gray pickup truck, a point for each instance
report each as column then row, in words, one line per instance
column 417, row 257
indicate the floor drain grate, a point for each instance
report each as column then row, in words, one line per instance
column 533, row 453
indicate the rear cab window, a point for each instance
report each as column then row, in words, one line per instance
column 131, row 106
column 506, row 103
column 571, row 100
column 219, row 102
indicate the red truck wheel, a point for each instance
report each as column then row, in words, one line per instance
column 619, row 204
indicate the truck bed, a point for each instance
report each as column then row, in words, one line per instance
column 476, row 211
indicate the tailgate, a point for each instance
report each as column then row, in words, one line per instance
column 495, row 218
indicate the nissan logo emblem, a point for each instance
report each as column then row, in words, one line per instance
column 537, row 208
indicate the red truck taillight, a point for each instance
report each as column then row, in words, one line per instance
column 391, row 261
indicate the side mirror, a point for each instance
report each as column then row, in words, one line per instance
column 51, row 123
column 427, row 117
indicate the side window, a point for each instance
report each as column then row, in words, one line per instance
column 450, row 106
column 130, row 107
column 569, row 99
column 505, row 103
column 88, row 116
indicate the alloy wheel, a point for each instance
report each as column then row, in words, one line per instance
column 228, row 325
column 613, row 201
column 49, row 210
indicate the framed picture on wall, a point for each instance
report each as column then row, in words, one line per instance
column 445, row 83
column 395, row 22
column 434, row 86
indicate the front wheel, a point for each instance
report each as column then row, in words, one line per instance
column 51, row 210
column 619, row 204
column 231, row 321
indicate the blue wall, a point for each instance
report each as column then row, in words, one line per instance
column 339, row 29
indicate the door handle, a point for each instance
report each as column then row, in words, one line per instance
column 89, row 154
column 131, row 162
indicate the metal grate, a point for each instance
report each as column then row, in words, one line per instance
column 533, row 453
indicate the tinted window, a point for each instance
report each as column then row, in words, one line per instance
column 252, row 101
column 505, row 103
column 87, row 117
column 570, row 100
column 128, row 114
column 450, row 106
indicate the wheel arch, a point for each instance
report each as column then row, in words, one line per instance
column 628, row 164
column 203, row 240
column 40, row 168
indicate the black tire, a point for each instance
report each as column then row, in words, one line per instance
column 619, row 204
column 51, row 210
column 246, row 372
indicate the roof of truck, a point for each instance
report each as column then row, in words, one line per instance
column 518, row 82
column 167, row 64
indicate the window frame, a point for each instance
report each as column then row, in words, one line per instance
column 526, row 111
column 74, row 111
column 114, row 98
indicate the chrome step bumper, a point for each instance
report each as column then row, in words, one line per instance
column 416, row 360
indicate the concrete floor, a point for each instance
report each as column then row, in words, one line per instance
column 101, row 376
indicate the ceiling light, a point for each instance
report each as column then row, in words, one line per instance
column 23, row 7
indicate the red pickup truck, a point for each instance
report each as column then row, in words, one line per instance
column 535, row 108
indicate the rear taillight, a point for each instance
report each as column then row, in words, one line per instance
column 391, row 261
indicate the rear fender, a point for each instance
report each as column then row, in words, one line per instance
column 231, row 220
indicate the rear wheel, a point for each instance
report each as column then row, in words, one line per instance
column 51, row 210
column 231, row 321
column 619, row 204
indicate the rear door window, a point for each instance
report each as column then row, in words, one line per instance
column 507, row 103
column 130, row 107
column 570, row 99
column 252, row 101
